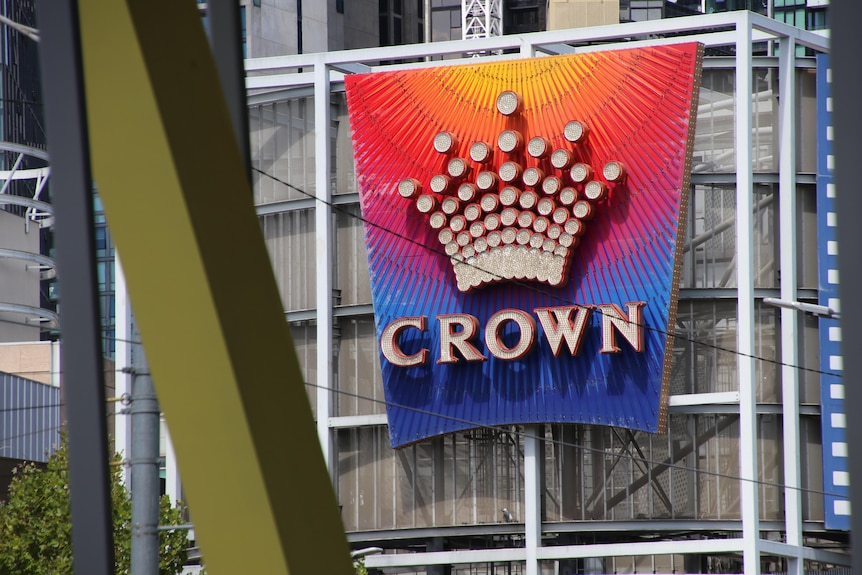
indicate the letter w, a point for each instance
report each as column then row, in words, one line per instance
column 558, row 324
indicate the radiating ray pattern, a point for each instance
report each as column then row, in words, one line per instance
column 636, row 105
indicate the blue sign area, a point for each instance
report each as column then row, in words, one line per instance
column 836, row 478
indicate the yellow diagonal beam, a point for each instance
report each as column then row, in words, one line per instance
column 180, row 211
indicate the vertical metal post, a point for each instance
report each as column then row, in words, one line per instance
column 847, row 86
column 789, row 317
column 225, row 40
column 122, row 361
column 323, row 247
column 532, row 497
column 144, row 469
column 68, row 146
column 745, row 303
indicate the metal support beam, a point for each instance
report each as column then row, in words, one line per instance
column 790, row 335
column 172, row 182
column 83, row 376
column 745, row 304
column 533, row 463
column 226, row 42
column 324, row 255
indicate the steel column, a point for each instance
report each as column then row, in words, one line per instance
column 324, row 254
column 533, row 463
column 745, row 305
column 83, row 381
column 789, row 318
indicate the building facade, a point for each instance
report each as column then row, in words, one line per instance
column 735, row 484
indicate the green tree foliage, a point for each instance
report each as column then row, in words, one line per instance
column 36, row 526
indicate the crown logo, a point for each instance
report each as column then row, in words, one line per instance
column 521, row 216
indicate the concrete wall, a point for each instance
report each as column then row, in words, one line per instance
column 18, row 285
column 37, row 360
column 564, row 14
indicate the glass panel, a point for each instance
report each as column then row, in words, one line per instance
column 806, row 118
column 343, row 168
column 358, row 368
column 764, row 129
column 704, row 358
column 351, row 277
column 811, row 464
column 767, row 371
column 289, row 238
column 457, row 479
column 770, row 467
column 806, row 236
column 709, row 255
column 282, row 147
column 305, row 341
column 714, row 144
column 600, row 473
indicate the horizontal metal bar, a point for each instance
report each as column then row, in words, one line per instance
column 358, row 421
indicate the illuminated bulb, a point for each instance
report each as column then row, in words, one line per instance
column 510, row 141
column 486, row 180
column 458, row 223
column 596, row 190
column 509, row 235
column 426, row 204
column 437, row 220
column 480, row 152
column 457, row 168
column 509, row 196
column 450, row 206
column 545, row 206
column 561, row 251
column 538, row 147
column 477, row 229
column 552, row 185
column 533, row 176
column 574, row 227
column 452, row 248
column 472, row 212
column 492, row 222
column 508, row 103
column 549, row 245
column 495, row 239
column 583, row 210
column 560, row 215
column 508, row 216
column 526, row 219
column 409, row 188
column 510, row 171
column 614, row 171
column 541, row 224
column 445, row 236
column 536, row 241
column 523, row 237
column 468, row 252
column 554, row 231
column 466, row 192
column 568, row 196
column 576, row 131
column 481, row 244
column 463, row 239
column 528, row 200
column 562, row 159
column 440, row 183
column 581, row 173
column 445, row 142
column 490, row 202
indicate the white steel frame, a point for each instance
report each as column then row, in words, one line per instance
column 481, row 19
column 277, row 78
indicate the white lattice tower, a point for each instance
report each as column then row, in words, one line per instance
column 481, row 18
